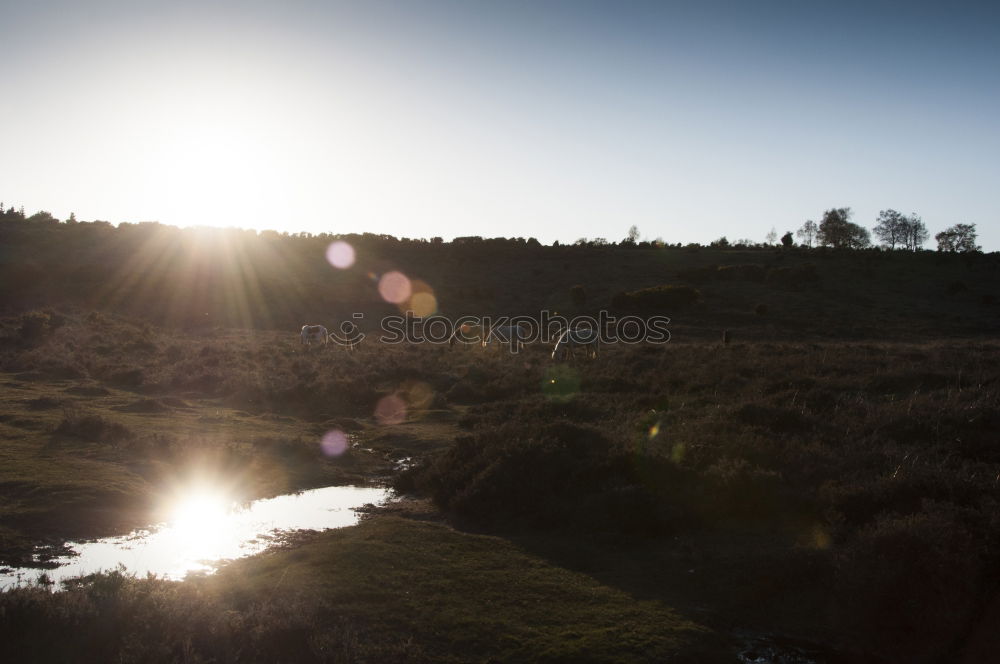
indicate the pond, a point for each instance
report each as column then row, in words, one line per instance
column 203, row 531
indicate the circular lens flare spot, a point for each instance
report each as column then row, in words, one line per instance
column 423, row 304
column 419, row 395
column 390, row 410
column 394, row 287
column 340, row 255
column 333, row 443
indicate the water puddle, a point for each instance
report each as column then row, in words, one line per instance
column 204, row 531
column 778, row 650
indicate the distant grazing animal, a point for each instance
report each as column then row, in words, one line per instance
column 511, row 335
column 573, row 340
column 467, row 335
column 313, row 334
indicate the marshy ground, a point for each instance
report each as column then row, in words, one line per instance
column 659, row 503
column 828, row 479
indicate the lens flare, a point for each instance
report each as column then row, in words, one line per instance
column 333, row 443
column 422, row 301
column 394, row 287
column 418, row 395
column 340, row 255
column 390, row 410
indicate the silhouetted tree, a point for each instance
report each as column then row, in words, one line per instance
column 786, row 239
column 633, row 236
column 808, row 233
column 916, row 233
column 43, row 217
column 959, row 238
column 772, row 236
column 722, row 242
column 837, row 231
column 891, row 228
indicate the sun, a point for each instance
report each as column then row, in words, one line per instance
column 216, row 171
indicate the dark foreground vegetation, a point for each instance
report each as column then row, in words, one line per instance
column 199, row 279
column 831, row 474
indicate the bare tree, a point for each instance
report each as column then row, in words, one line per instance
column 772, row 236
column 633, row 236
column 890, row 228
column 916, row 233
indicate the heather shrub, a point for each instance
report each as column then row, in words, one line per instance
column 92, row 428
column 748, row 272
column 907, row 585
column 793, row 275
column 658, row 299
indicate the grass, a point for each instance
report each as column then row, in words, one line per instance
column 391, row 589
column 656, row 500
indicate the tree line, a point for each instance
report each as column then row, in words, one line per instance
column 893, row 230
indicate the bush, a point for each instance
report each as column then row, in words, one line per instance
column 658, row 299
column 92, row 428
column 793, row 275
column 908, row 584
column 33, row 326
column 748, row 272
column 743, row 272
column 561, row 474
column 699, row 274
column 127, row 377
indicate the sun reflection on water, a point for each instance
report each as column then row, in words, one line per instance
column 202, row 526
column 199, row 523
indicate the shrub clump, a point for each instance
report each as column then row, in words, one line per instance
column 33, row 326
column 656, row 299
column 92, row 427
column 561, row 475
column 748, row 272
column 793, row 275
column 908, row 583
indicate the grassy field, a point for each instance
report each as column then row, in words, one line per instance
column 830, row 477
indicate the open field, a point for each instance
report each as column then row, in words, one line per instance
column 661, row 499
column 828, row 479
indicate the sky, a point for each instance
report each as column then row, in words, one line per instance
column 553, row 120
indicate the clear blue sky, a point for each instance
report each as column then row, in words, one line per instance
column 556, row 120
